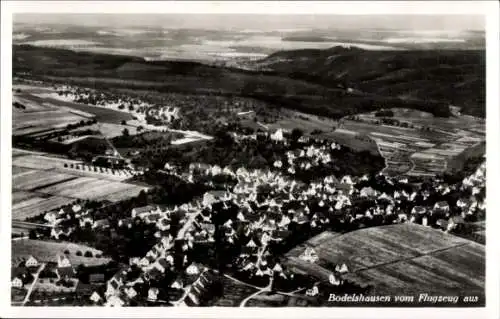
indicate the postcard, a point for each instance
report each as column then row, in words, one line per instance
column 249, row 159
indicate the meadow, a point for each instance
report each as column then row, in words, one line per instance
column 43, row 183
column 409, row 257
column 48, row 251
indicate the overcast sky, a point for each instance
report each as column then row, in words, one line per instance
column 262, row 22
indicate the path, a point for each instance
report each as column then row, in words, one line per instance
column 266, row 288
column 185, row 227
column 35, row 278
column 22, row 224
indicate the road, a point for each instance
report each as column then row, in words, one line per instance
column 27, row 225
column 35, row 278
column 266, row 288
column 187, row 225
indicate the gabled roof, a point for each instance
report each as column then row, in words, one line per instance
column 163, row 262
column 65, row 272
column 93, row 278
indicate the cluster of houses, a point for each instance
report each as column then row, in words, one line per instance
column 23, row 273
column 121, row 102
column 268, row 203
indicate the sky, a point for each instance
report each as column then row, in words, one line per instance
column 261, row 22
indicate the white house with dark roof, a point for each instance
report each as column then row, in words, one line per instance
column 31, row 262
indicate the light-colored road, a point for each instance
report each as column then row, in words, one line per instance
column 35, row 278
column 266, row 288
column 185, row 227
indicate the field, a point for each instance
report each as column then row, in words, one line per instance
column 405, row 257
column 102, row 114
column 47, row 251
column 42, row 183
column 425, row 146
column 110, row 130
column 305, row 122
column 312, row 242
column 92, row 189
column 40, row 116
column 31, row 180
column 26, row 161
column 29, row 204
column 234, row 293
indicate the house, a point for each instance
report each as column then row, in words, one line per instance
column 367, row 192
column 65, row 272
column 309, row 255
column 95, row 297
column 113, row 286
column 96, row 278
column 163, row 224
column 418, row 210
column 462, row 203
column 52, row 217
column 153, row 294
column 312, row 292
column 162, row 264
column 277, row 136
column 17, row 282
column 101, row 224
column 131, row 293
column 31, row 262
column 442, row 223
column 214, row 196
column 251, row 244
column 177, row 284
column 154, row 273
column 76, row 208
column 152, row 218
column 142, row 212
column 333, row 280
column 115, row 301
column 86, row 220
column 277, row 268
column 56, row 232
column 442, row 206
column 63, row 262
column 145, row 261
column 192, row 269
column 346, row 179
column 341, row 268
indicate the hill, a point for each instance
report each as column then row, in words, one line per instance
column 455, row 77
column 311, row 81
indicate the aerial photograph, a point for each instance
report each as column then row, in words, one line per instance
column 248, row 160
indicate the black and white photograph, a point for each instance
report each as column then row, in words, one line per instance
column 247, row 160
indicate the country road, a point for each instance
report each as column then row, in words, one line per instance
column 26, row 299
column 266, row 288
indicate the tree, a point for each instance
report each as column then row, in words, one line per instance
column 296, row 134
column 125, row 132
column 32, row 234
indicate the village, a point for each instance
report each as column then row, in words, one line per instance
column 242, row 231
